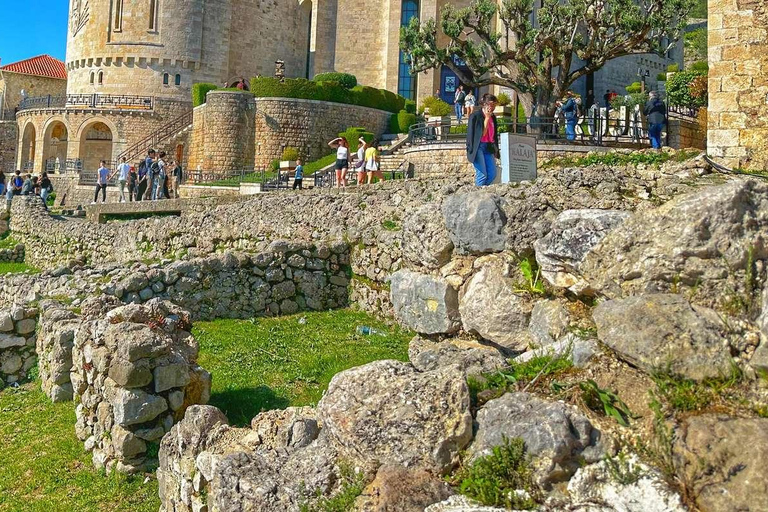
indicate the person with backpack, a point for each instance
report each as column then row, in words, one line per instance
column 158, row 177
column 149, row 161
column 459, row 101
column 46, row 187
column 656, row 112
column 141, row 183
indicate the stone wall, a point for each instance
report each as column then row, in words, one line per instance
column 308, row 125
column 738, row 83
column 9, row 135
column 17, row 344
column 685, row 132
column 14, row 254
column 13, row 83
column 223, row 132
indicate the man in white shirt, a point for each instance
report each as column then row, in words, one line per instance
column 122, row 176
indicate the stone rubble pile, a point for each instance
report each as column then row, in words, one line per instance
column 17, row 344
column 134, row 372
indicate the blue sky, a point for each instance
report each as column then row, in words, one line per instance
column 32, row 27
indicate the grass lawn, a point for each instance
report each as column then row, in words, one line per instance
column 256, row 365
column 16, row 268
column 43, row 466
column 274, row 363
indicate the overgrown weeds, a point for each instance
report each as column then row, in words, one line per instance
column 532, row 282
column 622, row 469
column 502, row 479
column 352, row 485
column 688, row 395
column 605, row 401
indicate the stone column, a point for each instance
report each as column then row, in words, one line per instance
column 738, row 83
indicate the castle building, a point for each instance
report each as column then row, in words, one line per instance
column 130, row 66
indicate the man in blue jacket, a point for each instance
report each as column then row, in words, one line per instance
column 656, row 112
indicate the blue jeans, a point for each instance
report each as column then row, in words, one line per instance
column 44, row 194
column 485, row 165
column 654, row 132
column 459, row 109
column 570, row 129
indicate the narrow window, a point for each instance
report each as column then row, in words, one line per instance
column 101, row 77
column 93, row 75
column 178, row 80
column 165, row 78
column 118, row 15
column 152, row 14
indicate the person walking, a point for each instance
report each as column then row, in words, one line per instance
column 298, row 178
column 373, row 162
column 607, row 99
column 483, row 141
column 342, row 160
column 149, row 163
column 360, row 163
column 133, row 183
column 157, row 175
column 571, row 112
column 143, row 180
column 469, row 103
column 102, row 179
column 656, row 112
column 122, row 176
column 46, row 187
column 177, row 178
column 458, row 103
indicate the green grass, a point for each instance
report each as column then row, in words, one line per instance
column 687, row 395
column 268, row 363
column 519, row 374
column 43, row 466
column 16, row 268
column 7, row 241
column 252, row 177
column 616, row 159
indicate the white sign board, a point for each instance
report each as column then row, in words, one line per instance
column 518, row 158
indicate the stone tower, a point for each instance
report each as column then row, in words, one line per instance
column 161, row 47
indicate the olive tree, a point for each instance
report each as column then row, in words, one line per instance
column 540, row 49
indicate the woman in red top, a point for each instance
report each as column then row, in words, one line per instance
column 483, row 141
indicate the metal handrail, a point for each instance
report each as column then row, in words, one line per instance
column 109, row 101
column 154, row 139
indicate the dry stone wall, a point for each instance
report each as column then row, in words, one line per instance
column 17, row 344
column 8, row 140
column 58, row 327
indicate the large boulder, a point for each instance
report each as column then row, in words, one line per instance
column 387, row 412
column 557, row 436
column 426, row 241
column 699, row 243
column 469, row 356
column 491, row 307
column 574, row 233
column 424, row 303
column 648, row 492
column 724, row 459
column 475, row 222
column 665, row 332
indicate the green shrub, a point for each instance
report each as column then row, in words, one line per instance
column 353, row 135
column 495, row 479
column 701, row 66
column 634, row 88
column 274, row 165
column 199, row 90
column 290, row 153
column 405, row 120
column 436, row 106
column 504, row 99
column 661, row 77
column 679, row 89
column 462, row 129
column 346, row 80
column 410, row 106
column 673, row 68
column 640, row 98
column 696, row 47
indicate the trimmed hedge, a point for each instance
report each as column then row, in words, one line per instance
column 353, row 134
column 405, row 120
column 343, row 79
column 300, row 88
column 199, row 90
column 410, row 106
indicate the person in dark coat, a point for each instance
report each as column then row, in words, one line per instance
column 656, row 112
column 483, row 141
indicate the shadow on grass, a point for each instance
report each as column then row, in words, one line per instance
column 242, row 404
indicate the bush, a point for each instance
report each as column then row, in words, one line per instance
column 274, row 165
column 701, row 66
column 301, row 88
column 680, row 91
column 290, row 153
column 673, row 68
column 410, row 106
column 343, row 79
column 353, row 134
column 634, row 88
column 199, row 90
column 661, row 77
column 405, row 120
column 629, row 101
column 436, row 106
column 504, row 99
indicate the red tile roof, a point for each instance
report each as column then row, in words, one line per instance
column 42, row 65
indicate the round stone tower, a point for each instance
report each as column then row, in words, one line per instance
column 147, row 47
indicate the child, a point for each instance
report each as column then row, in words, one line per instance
column 298, row 178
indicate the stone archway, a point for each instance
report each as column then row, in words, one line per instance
column 95, row 144
column 28, row 146
column 55, row 145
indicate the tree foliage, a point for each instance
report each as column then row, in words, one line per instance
column 503, row 43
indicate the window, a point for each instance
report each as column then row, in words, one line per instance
column 152, row 14
column 178, row 80
column 93, row 76
column 101, row 77
column 406, row 82
column 166, row 78
column 118, row 15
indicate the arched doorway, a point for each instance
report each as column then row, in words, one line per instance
column 28, row 141
column 95, row 145
column 55, row 141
